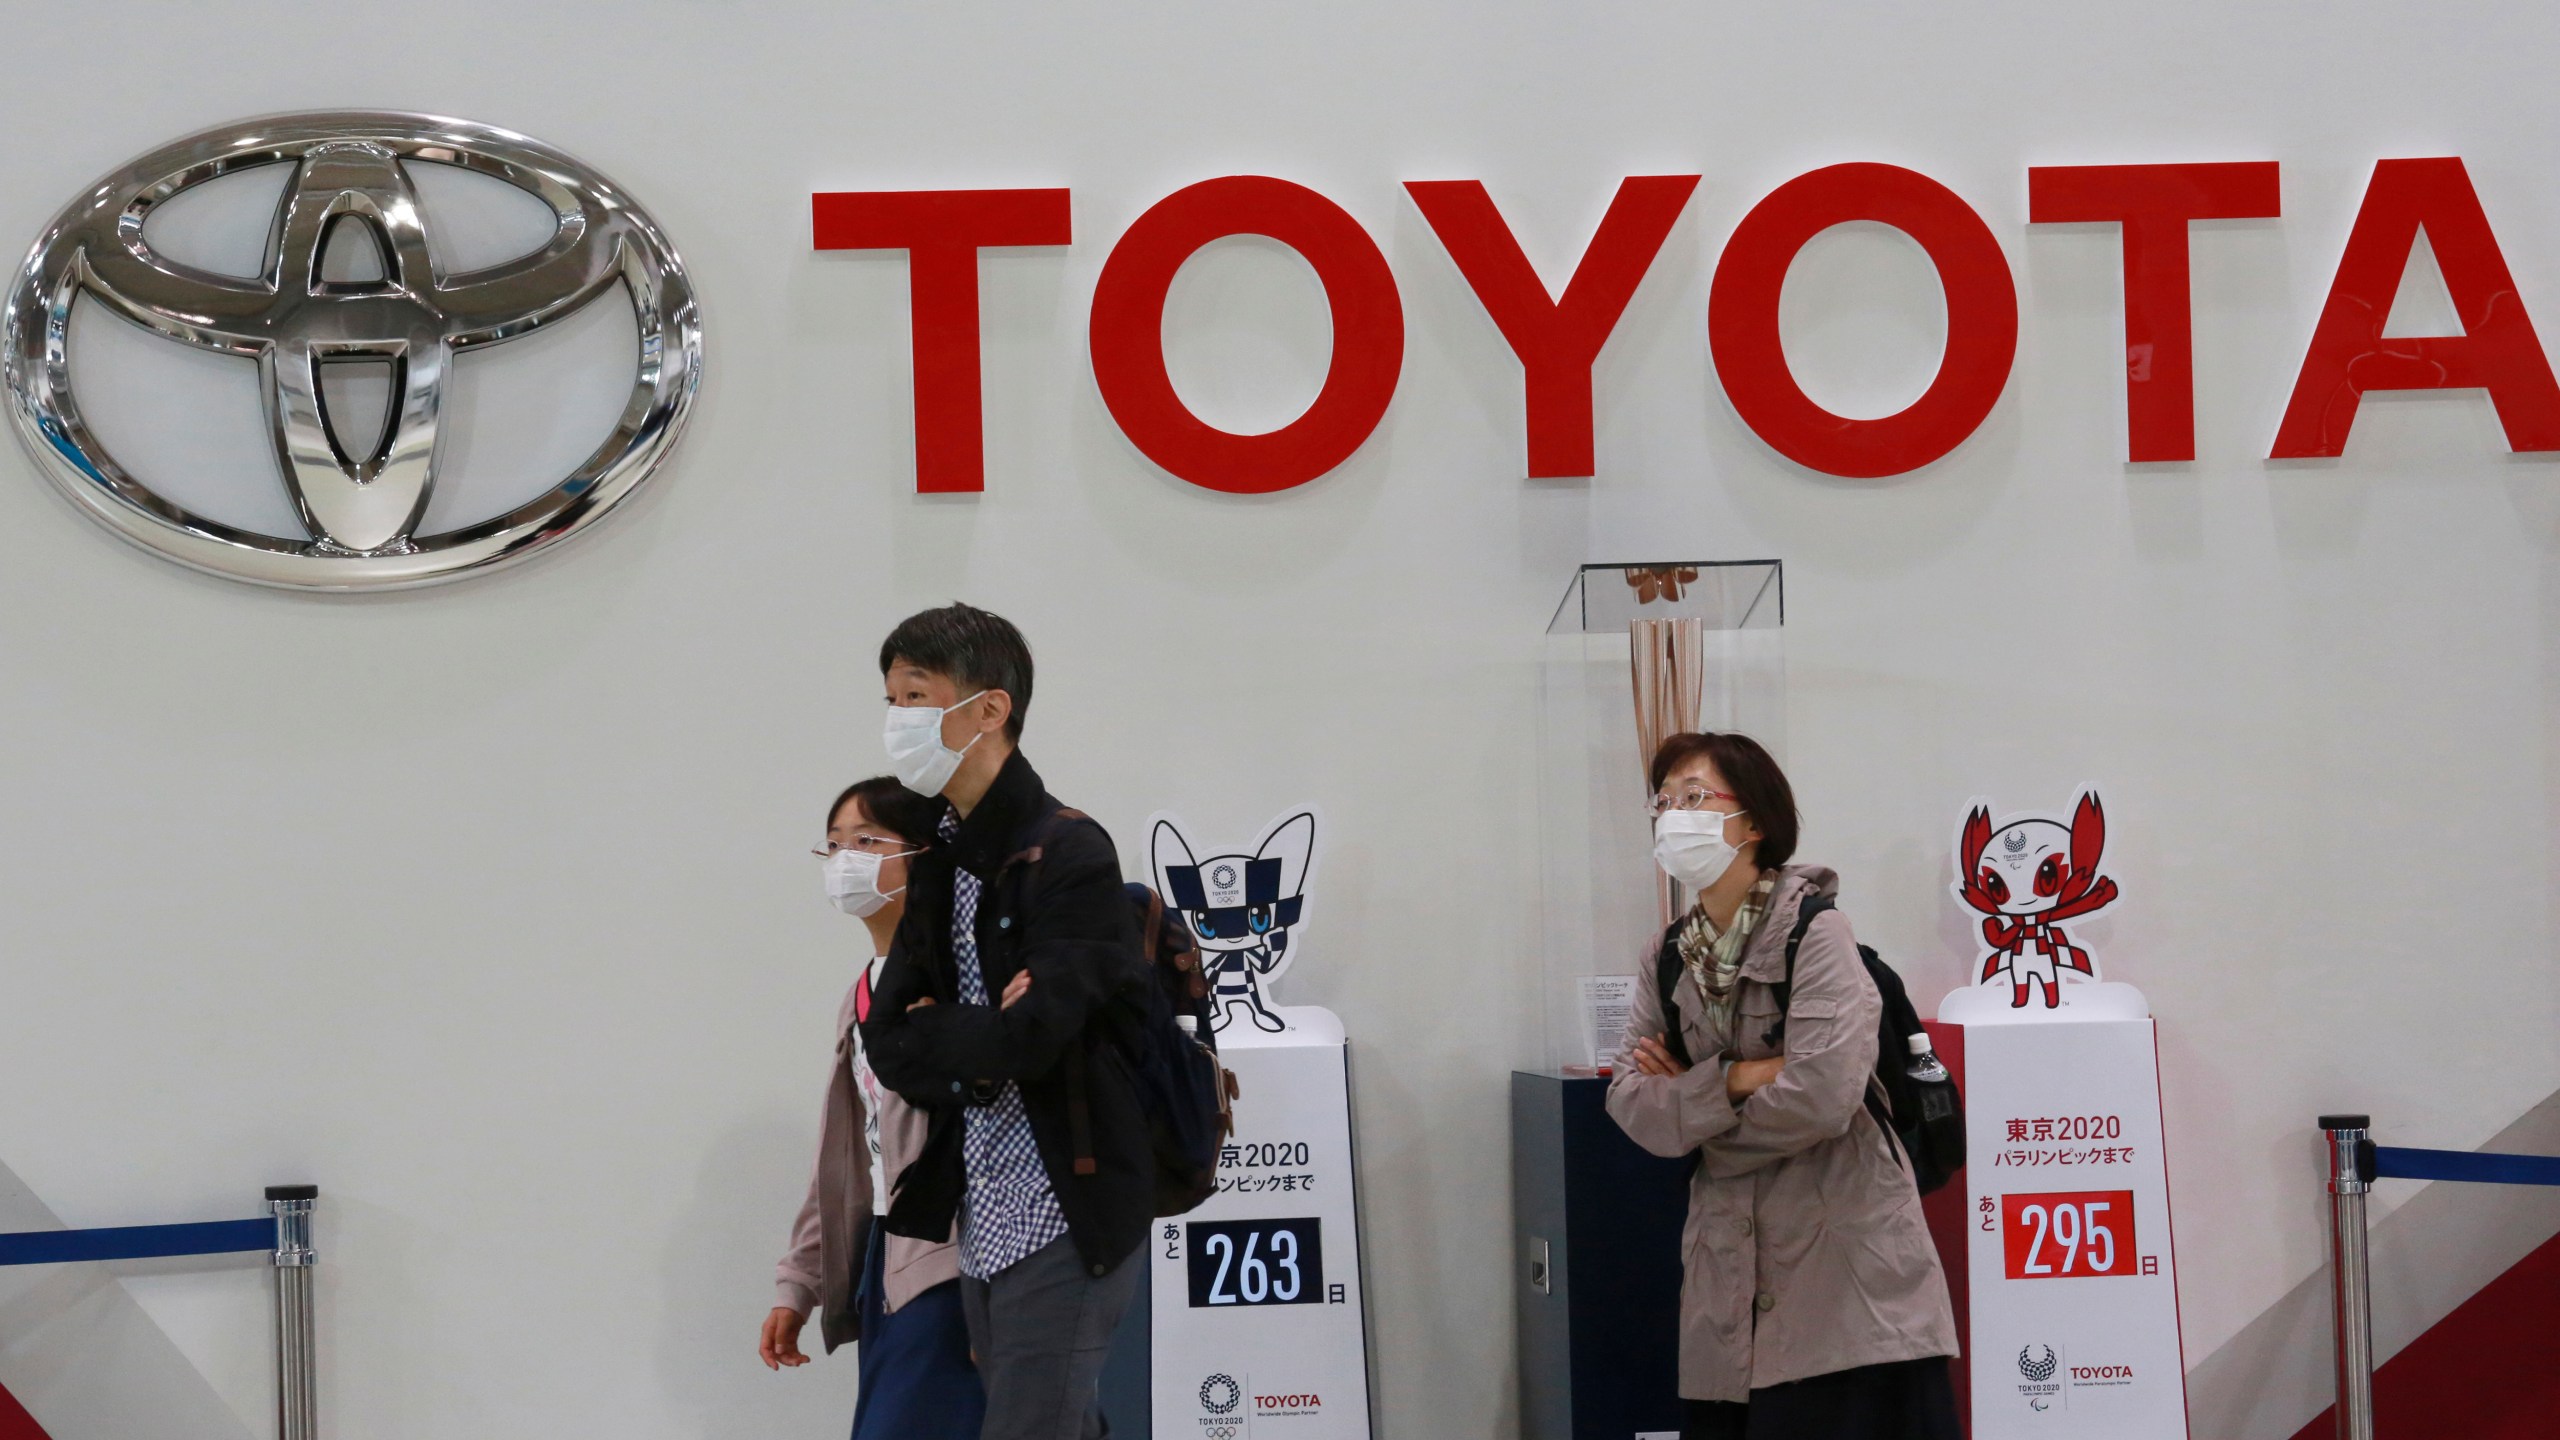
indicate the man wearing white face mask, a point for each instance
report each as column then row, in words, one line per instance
column 1812, row 1305
column 1009, row 981
column 898, row 1296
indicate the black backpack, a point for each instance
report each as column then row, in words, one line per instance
column 1188, row 1095
column 1924, row 1117
column 1188, row 1098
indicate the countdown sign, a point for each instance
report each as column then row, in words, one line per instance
column 1255, row 1262
column 2055, row 1237
column 1258, row 1329
column 2075, row 1298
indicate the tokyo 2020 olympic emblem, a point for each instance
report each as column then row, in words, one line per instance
column 2039, row 1369
column 1220, row 1394
column 360, row 499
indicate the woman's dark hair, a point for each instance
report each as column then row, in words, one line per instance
column 1754, row 778
column 978, row 650
column 893, row 807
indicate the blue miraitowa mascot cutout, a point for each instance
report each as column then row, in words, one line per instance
column 1241, row 907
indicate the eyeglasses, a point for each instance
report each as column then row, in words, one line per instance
column 1692, row 796
column 880, row 845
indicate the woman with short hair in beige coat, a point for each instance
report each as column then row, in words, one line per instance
column 1812, row 1306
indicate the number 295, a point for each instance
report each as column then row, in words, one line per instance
column 2054, row 1237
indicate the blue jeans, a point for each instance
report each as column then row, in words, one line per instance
column 917, row 1381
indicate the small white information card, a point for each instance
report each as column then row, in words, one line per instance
column 1607, row 1002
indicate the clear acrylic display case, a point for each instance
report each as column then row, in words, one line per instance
column 1599, row 892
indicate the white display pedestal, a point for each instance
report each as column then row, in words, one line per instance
column 2075, row 1288
column 1258, row 1328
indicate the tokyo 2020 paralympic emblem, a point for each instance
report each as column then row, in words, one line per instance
column 360, row 499
column 2039, row 1368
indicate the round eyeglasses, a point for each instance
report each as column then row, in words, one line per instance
column 1692, row 796
column 885, row 846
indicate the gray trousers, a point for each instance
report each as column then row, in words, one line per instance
column 1041, row 1329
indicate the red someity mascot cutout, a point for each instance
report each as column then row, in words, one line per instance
column 2026, row 877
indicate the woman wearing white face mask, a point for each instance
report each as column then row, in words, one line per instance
column 1811, row 1300
column 899, row 1298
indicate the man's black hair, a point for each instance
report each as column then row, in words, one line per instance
column 977, row 649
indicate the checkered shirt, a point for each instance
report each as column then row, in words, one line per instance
column 1009, row 1209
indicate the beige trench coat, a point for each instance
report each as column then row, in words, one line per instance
column 1804, row 1251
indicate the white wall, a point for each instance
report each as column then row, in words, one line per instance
column 485, row 908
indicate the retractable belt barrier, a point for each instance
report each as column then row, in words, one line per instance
column 137, row 1242
column 284, row 1235
column 2354, row 1163
column 2470, row 1166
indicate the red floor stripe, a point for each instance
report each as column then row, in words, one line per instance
column 2488, row 1371
column 15, row 1422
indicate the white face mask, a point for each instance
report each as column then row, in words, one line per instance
column 917, row 755
column 853, row 882
column 1689, row 846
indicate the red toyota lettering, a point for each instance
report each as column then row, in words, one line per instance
column 942, row 232
column 1127, row 334
column 2497, row 350
column 2154, row 205
column 1556, row 339
column 1982, row 320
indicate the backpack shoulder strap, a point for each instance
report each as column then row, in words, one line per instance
column 1806, row 913
column 1666, row 983
column 1079, row 1087
column 1080, row 1110
column 1044, row 836
column 1151, row 928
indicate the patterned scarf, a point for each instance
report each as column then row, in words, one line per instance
column 1714, row 960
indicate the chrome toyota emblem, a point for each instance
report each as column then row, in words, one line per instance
column 361, row 507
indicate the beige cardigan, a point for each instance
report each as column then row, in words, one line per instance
column 824, row 1262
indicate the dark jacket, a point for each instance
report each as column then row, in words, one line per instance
column 1052, row 904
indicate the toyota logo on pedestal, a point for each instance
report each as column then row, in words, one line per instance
column 361, row 503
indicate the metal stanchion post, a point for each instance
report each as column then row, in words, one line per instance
column 297, row 1389
column 2350, row 1277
